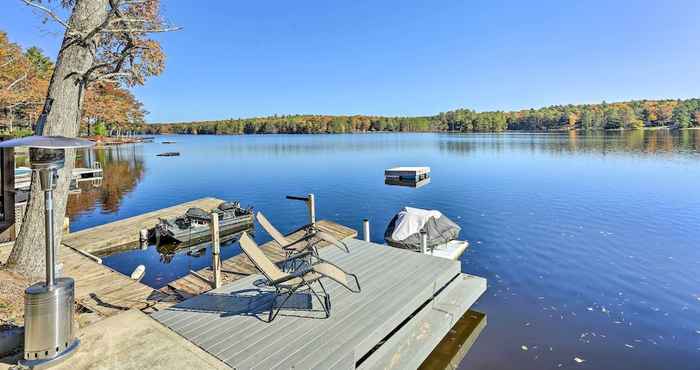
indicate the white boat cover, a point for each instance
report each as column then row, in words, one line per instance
column 411, row 220
column 404, row 228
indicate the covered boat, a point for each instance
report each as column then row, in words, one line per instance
column 193, row 226
column 404, row 230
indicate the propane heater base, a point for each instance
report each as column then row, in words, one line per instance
column 50, row 362
column 48, row 323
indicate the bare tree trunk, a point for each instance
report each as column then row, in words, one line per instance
column 63, row 118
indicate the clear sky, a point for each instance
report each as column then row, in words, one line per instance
column 409, row 57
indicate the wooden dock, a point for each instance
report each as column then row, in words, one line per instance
column 409, row 301
column 101, row 289
column 123, row 233
column 79, row 174
column 106, row 291
column 87, row 174
column 239, row 266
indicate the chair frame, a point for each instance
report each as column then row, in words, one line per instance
column 311, row 231
column 302, row 274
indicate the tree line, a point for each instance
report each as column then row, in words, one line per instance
column 108, row 108
column 605, row 116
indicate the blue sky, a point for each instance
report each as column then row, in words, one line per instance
column 255, row 58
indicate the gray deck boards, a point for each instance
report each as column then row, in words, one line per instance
column 230, row 322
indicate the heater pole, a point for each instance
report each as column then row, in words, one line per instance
column 50, row 249
column 49, row 334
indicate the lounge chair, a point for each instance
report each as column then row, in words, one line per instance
column 302, row 246
column 288, row 283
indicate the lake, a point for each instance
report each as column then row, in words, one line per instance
column 589, row 241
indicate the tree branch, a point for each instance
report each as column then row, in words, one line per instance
column 140, row 30
column 10, row 86
column 48, row 11
column 12, row 59
column 110, row 76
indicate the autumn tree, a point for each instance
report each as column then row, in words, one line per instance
column 104, row 40
column 23, row 80
column 115, row 107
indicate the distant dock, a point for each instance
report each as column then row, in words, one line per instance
column 79, row 174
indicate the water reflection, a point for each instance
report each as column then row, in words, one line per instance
column 452, row 349
column 407, row 183
column 123, row 168
column 643, row 142
column 168, row 251
column 588, row 240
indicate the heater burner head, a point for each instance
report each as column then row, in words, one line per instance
column 47, row 142
column 41, row 158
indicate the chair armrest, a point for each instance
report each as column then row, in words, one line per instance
column 294, row 257
column 293, row 275
column 330, row 239
column 302, row 239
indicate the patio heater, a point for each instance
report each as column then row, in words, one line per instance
column 49, row 337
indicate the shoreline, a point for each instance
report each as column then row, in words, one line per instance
column 149, row 135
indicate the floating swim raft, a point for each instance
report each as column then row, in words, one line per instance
column 407, row 173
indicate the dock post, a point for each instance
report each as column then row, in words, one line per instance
column 312, row 209
column 423, row 241
column 365, row 229
column 216, row 249
column 143, row 238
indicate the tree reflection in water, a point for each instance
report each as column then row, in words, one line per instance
column 123, row 168
column 636, row 142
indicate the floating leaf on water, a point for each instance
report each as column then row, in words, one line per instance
column 523, row 347
column 579, row 360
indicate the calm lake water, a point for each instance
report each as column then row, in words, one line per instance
column 589, row 242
